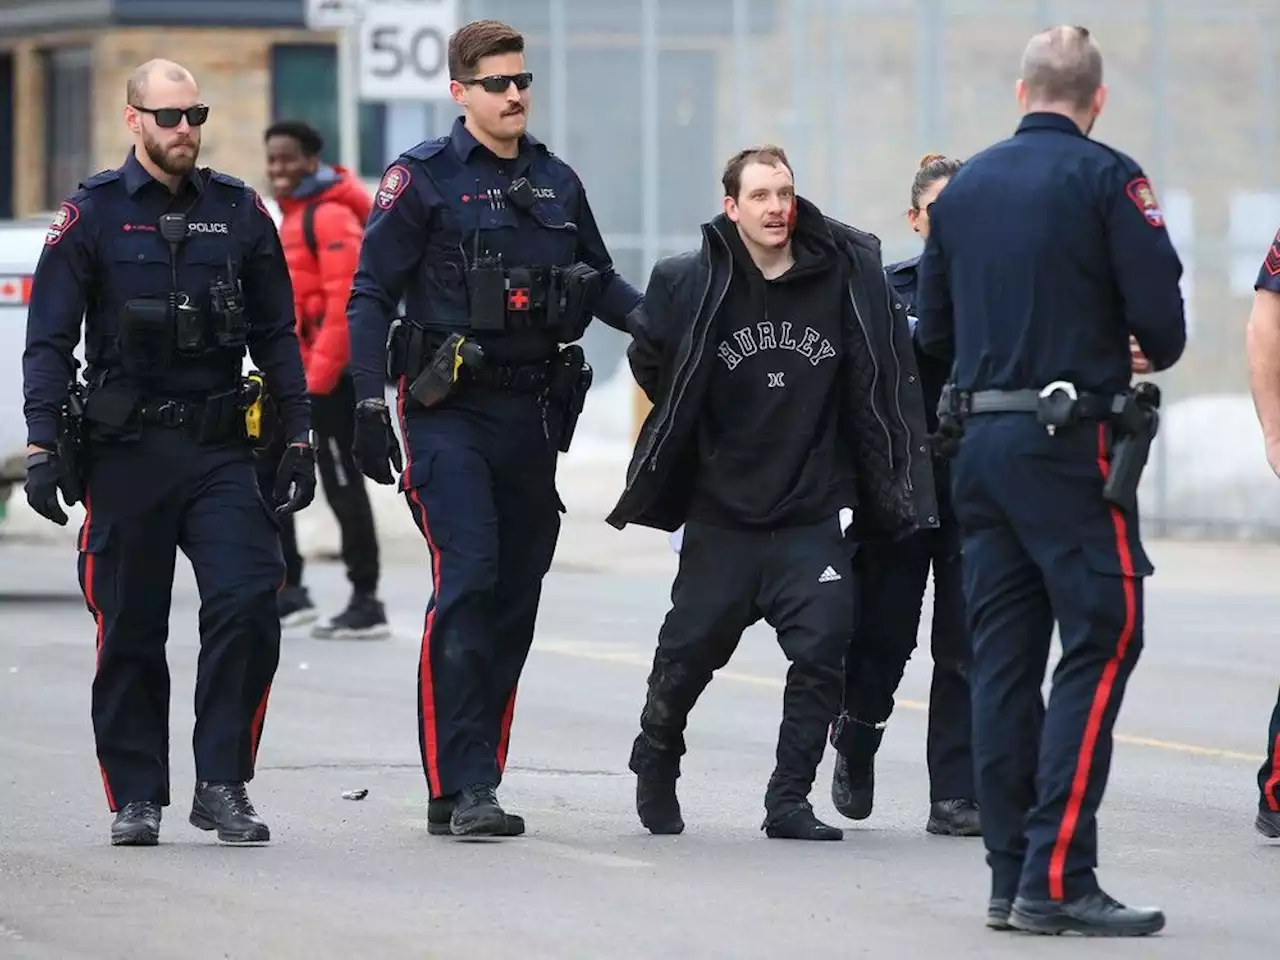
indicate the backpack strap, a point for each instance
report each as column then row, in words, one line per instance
column 309, row 229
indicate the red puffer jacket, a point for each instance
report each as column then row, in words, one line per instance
column 322, row 283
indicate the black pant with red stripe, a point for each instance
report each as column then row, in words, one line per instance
column 892, row 580
column 481, row 488
column 1041, row 545
column 145, row 500
column 1269, row 772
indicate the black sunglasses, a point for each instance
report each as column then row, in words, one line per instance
column 168, row 117
column 499, row 82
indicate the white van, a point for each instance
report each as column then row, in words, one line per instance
column 21, row 242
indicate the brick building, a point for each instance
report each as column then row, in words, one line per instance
column 63, row 66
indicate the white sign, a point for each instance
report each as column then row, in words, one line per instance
column 332, row 14
column 404, row 49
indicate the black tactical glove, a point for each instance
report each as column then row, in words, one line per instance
column 295, row 477
column 44, row 471
column 376, row 449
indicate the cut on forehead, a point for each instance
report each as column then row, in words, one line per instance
column 157, row 77
column 1062, row 65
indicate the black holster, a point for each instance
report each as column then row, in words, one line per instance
column 571, row 378
column 1133, row 430
column 71, row 444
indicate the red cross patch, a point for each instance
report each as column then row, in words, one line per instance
column 518, row 298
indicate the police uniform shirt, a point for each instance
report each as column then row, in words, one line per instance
column 104, row 248
column 437, row 206
column 1046, row 251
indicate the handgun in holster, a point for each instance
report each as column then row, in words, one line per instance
column 440, row 376
column 571, row 378
column 71, row 444
column 1134, row 427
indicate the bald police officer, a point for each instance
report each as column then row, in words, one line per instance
column 174, row 271
column 1048, row 252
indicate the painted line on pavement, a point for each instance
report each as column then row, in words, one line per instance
column 604, row 654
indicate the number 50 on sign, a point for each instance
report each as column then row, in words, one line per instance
column 404, row 48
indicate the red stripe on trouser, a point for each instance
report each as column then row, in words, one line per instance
column 255, row 730
column 1273, row 781
column 426, row 682
column 97, row 619
column 1101, row 694
column 504, row 734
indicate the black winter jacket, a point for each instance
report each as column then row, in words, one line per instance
column 885, row 419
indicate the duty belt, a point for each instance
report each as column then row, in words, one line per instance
column 170, row 413
column 526, row 378
column 1086, row 406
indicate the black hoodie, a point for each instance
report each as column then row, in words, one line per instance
column 769, row 448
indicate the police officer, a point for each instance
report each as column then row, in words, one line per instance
column 491, row 241
column 1046, row 253
column 893, row 577
column 1262, row 344
column 175, row 270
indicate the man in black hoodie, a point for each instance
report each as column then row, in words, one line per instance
column 786, row 403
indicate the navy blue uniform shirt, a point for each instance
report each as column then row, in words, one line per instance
column 104, row 248
column 422, row 233
column 1045, row 252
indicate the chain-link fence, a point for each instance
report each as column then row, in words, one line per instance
column 647, row 98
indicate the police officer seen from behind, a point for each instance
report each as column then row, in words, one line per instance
column 893, row 580
column 175, row 270
column 491, row 241
column 786, row 403
column 1046, row 253
column 1263, row 351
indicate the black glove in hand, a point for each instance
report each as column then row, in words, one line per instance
column 376, row 450
column 296, row 478
column 44, row 471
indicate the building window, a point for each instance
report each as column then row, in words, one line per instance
column 68, row 142
column 304, row 86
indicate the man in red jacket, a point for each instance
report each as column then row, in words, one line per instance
column 324, row 210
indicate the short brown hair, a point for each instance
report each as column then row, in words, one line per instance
column 768, row 154
column 933, row 167
column 1062, row 65
column 478, row 39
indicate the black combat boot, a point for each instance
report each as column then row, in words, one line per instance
column 799, row 823
column 136, row 825
column 477, row 813
column 853, row 787
column 1093, row 915
column 440, row 815
column 658, row 805
column 1267, row 822
column 225, row 807
column 954, row 818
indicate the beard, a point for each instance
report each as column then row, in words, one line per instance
column 170, row 161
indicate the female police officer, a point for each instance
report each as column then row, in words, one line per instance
column 893, row 584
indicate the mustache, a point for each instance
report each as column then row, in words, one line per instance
column 513, row 111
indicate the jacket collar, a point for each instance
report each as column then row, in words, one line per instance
column 1043, row 120
column 464, row 144
column 136, row 176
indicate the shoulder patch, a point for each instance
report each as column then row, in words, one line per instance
column 1272, row 263
column 426, row 149
column 1144, row 198
column 393, row 184
column 100, row 178
column 224, row 178
column 67, row 216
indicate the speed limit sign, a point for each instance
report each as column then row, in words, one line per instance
column 404, row 48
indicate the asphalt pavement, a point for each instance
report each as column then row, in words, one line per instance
column 346, row 878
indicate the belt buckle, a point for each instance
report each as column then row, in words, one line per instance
column 1059, row 386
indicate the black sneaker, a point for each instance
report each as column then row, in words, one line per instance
column 296, row 608
column 225, row 807
column 799, row 823
column 137, row 825
column 364, row 619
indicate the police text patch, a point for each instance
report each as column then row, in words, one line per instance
column 1272, row 263
column 393, row 183
column 1144, row 198
column 68, row 213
